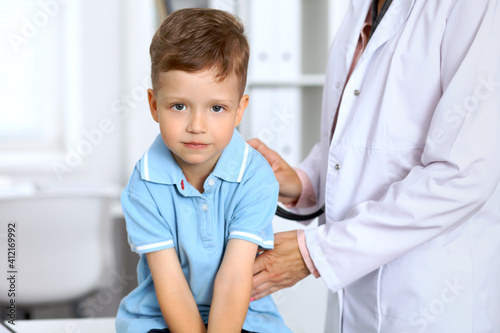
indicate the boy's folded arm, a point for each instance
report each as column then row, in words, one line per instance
column 177, row 303
column 232, row 287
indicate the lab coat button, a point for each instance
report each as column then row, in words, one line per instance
column 338, row 85
column 204, row 207
column 356, row 92
column 211, row 182
column 337, row 167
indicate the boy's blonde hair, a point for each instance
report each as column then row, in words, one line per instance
column 196, row 39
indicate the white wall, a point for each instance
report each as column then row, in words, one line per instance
column 104, row 75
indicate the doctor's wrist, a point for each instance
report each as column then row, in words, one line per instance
column 301, row 239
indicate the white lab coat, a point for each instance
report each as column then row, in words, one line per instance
column 411, row 179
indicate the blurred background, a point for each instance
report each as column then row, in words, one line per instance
column 74, row 120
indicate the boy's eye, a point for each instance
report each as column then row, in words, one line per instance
column 179, row 107
column 217, row 108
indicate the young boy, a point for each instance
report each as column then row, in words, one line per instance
column 201, row 200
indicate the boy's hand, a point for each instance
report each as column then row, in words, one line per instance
column 290, row 185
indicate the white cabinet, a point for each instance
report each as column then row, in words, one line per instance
column 274, row 114
column 281, row 77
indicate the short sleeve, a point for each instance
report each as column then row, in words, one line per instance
column 253, row 215
column 146, row 228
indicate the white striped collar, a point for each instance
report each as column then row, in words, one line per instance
column 234, row 159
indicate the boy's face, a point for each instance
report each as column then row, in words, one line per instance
column 197, row 115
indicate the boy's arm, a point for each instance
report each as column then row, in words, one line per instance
column 232, row 288
column 177, row 303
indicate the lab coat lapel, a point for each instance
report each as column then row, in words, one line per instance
column 392, row 21
column 343, row 47
column 347, row 39
column 352, row 24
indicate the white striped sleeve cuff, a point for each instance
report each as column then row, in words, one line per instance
column 266, row 244
column 152, row 247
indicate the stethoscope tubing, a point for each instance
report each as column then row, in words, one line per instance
column 298, row 217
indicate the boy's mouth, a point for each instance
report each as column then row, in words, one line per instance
column 195, row 145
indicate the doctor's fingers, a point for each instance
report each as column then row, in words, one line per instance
column 261, row 293
column 264, row 284
column 272, row 157
column 265, row 281
column 287, row 177
column 261, row 262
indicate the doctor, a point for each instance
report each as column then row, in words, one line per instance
column 408, row 168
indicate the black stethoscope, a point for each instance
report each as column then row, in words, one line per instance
column 298, row 217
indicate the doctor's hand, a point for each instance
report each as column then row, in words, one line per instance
column 290, row 185
column 279, row 268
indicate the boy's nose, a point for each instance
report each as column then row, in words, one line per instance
column 197, row 123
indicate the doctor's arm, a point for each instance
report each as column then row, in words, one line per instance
column 177, row 303
column 458, row 171
column 232, row 287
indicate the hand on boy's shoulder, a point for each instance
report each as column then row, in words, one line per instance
column 290, row 186
column 259, row 165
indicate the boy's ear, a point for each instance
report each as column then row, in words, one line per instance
column 241, row 109
column 153, row 107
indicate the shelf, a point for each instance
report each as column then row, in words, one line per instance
column 308, row 80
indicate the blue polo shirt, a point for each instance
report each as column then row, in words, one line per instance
column 163, row 210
